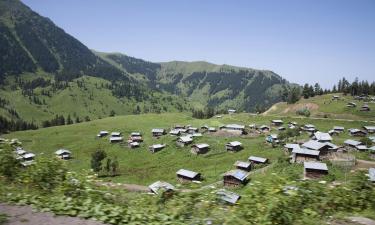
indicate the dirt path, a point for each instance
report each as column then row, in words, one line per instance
column 24, row 215
column 129, row 187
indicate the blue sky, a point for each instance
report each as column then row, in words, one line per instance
column 303, row 41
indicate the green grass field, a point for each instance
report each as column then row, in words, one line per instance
column 141, row 166
column 323, row 106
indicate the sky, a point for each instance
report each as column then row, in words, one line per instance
column 303, row 41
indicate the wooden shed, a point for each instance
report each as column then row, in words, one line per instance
column 157, row 132
column 241, row 165
column 258, row 160
column 235, row 178
column 156, row 148
column 183, row 141
column 200, row 148
column 300, row 155
column 314, row 170
column 187, row 175
column 233, row 146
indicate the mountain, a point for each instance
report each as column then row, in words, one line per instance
column 44, row 72
column 209, row 84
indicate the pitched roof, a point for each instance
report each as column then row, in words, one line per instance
column 264, row 127
column 314, row 145
column 103, row 132
column 185, row 139
column 320, row 136
column 135, row 134
column 338, row 128
column 62, row 151
column 28, row 155
column 305, row 151
column 175, row 131
column 276, row 121
column 116, row 138
column 187, row 173
column 202, row 145
column 315, row 166
column 292, row 146
column 242, row 164
column 309, row 126
column 155, row 187
column 228, row 196
column 369, row 128
column 158, row 146
column 361, row 147
column 257, row 159
column 115, row 133
column 352, row 142
column 235, row 126
column 238, row 174
column 157, row 130
column 234, row 143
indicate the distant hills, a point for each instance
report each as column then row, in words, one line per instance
column 42, row 66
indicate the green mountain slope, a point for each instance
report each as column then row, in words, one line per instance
column 209, row 84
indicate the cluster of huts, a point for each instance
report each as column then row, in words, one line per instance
column 365, row 107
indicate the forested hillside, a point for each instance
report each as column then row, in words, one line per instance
column 220, row 86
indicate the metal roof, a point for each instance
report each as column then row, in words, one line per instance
column 238, row 174
column 320, row 136
column 196, row 135
column 369, row 128
column 134, row 144
column 234, row 126
column 331, row 145
column 355, row 130
column 175, row 131
column 103, row 132
column 263, row 127
column 115, row 133
column 309, row 126
column 352, row 142
column 187, row 173
column 202, row 145
column 292, row 146
column 135, row 134
column 371, row 173
column 20, row 151
column 158, row 146
column 315, row 166
column 28, row 155
column 155, row 187
column 257, row 159
column 314, row 145
column 157, row 130
column 228, row 196
column 242, row 164
column 338, row 128
column 276, row 121
column 361, row 147
column 62, row 151
column 186, row 139
column 234, row 143
column 305, row 151
column 116, row 138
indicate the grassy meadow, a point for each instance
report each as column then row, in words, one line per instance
column 324, row 106
column 140, row 166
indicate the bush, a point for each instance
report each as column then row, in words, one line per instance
column 9, row 165
column 46, row 174
column 303, row 112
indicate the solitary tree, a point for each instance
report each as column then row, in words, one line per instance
column 96, row 160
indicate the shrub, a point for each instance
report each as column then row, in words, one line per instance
column 303, row 112
column 9, row 165
column 46, row 174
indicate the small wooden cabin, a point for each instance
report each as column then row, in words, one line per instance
column 156, row 148
column 241, row 165
column 157, row 132
column 200, row 148
column 315, row 170
column 102, row 133
column 187, row 176
column 233, row 128
column 136, row 137
column 351, row 105
column 183, row 141
column 264, row 128
column 258, row 160
column 233, row 146
column 63, row 154
column 300, row 155
column 133, row 144
column 277, row 122
column 357, row 132
column 228, row 196
column 369, row 129
column 365, row 108
column 235, row 178
column 159, row 186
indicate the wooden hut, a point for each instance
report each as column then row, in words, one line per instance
column 300, row 155
column 233, row 146
column 258, row 160
column 241, row 165
column 156, row 148
column 200, row 148
column 157, row 132
column 314, row 170
column 235, row 178
column 187, row 175
column 183, row 141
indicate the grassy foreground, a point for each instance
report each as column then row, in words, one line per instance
column 142, row 167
